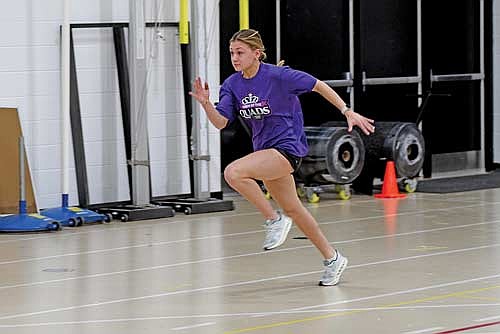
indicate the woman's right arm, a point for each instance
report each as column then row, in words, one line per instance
column 213, row 115
column 202, row 94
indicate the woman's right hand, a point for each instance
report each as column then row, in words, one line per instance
column 200, row 92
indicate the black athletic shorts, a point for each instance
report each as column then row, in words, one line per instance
column 294, row 160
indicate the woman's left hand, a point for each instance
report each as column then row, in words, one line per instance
column 365, row 124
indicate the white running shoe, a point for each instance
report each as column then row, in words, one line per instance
column 276, row 231
column 333, row 270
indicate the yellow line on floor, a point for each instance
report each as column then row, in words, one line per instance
column 292, row 322
column 491, row 299
column 440, row 297
column 327, row 316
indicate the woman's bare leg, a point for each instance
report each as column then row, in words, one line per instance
column 284, row 192
column 261, row 165
column 273, row 168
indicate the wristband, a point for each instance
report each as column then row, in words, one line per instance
column 345, row 109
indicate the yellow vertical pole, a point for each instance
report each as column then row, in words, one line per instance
column 184, row 22
column 244, row 21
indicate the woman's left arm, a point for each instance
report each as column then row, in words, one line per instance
column 353, row 118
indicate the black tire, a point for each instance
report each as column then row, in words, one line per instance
column 108, row 217
column 72, row 222
column 54, row 226
column 80, row 221
column 124, row 218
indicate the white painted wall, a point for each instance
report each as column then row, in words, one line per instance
column 30, row 81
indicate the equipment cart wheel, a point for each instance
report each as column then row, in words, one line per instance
column 187, row 210
column 266, row 192
column 312, row 196
column 410, row 185
column 344, row 192
column 124, row 217
column 301, row 192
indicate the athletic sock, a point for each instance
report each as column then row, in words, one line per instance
column 333, row 259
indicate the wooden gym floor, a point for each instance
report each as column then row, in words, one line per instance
column 429, row 263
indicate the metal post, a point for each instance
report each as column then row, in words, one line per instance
column 65, row 102
column 204, row 126
column 22, row 188
column 199, row 65
column 244, row 14
column 351, row 48
column 138, row 93
column 197, row 57
column 184, row 22
column 419, row 52
column 482, row 158
column 278, row 30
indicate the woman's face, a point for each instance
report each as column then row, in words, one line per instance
column 242, row 56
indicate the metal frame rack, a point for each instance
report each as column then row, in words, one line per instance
column 138, row 209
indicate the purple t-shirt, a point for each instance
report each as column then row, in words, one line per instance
column 268, row 103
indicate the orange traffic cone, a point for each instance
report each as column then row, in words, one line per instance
column 390, row 186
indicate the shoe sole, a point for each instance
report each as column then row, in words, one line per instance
column 341, row 271
column 283, row 236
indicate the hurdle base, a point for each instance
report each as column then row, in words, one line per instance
column 137, row 212
column 194, row 206
column 28, row 223
column 74, row 216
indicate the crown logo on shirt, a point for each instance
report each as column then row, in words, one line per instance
column 249, row 99
column 252, row 108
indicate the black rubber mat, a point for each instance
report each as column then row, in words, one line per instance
column 461, row 183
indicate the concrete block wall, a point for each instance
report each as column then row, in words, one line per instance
column 101, row 115
column 30, row 81
column 166, row 121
